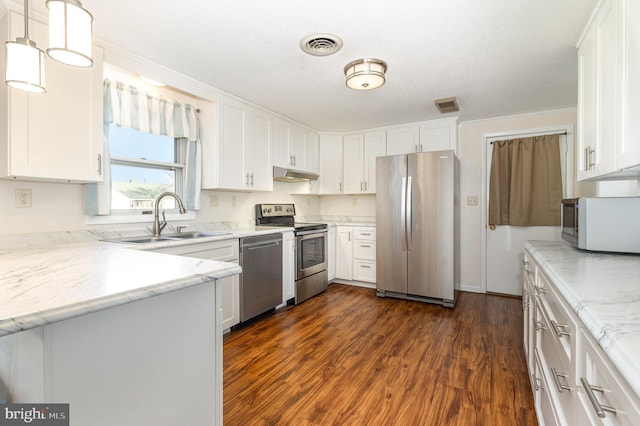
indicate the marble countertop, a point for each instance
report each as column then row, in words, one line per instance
column 603, row 289
column 41, row 285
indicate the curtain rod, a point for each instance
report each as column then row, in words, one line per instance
column 507, row 137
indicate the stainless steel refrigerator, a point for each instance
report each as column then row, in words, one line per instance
column 417, row 211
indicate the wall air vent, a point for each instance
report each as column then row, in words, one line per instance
column 446, row 105
column 321, row 44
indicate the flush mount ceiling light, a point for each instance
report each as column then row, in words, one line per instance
column 24, row 61
column 70, row 27
column 365, row 74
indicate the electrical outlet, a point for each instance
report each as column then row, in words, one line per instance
column 472, row 200
column 23, row 198
column 213, row 201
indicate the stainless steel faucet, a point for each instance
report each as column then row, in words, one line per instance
column 157, row 225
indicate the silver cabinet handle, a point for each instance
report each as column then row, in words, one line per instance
column 340, row 186
column 365, row 266
column 556, row 378
column 560, row 329
column 538, row 383
column 365, row 233
column 365, row 246
column 100, row 164
column 541, row 290
column 365, row 185
column 599, row 408
column 540, row 326
column 360, row 186
column 251, row 179
column 525, row 262
column 531, row 274
column 588, row 154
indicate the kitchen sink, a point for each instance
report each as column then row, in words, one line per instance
column 144, row 239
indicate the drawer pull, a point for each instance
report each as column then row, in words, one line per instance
column 599, row 408
column 560, row 329
column 365, row 266
column 365, row 233
column 541, row 290
column 365, row 245
column 540, row 326
column 525, row 262
column 531, row 274
column 556, row 378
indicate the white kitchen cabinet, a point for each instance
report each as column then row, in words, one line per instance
column 288, row 266
column 433, row 135
column 331, row 255
column 403, row 139
column 225, row 251
column 439, row 135
column 331, row 160
column 364, row 254
column 344, row 252
column 242, row 151
column 57, row 135
column 566, row 359
column 294, row 146
column 608, row 78
column 360, row 151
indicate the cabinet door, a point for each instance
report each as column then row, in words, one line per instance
column 56, row 135
column 344, row 257
column 628, row 151
column 330, row 164
column 231, row 119
column 298, row 147
column 313, row 152
column 258, row 152
column 438, row 135
column 280, row 148
column 353, row 158
column 403, row 140
column 288, row 266
column 375, row 145
column 586, row 104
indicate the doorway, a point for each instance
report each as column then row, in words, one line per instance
column 504, row 245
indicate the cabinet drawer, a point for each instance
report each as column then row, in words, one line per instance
column 560, row 322
column 368, row 234
column 364, row 270
column 365, row 250
column 608, row 391
column 543, row 404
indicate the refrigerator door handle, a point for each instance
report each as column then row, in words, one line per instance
column 409, row 225
column 403, row 214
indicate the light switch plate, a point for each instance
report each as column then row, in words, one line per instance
column 472, row 200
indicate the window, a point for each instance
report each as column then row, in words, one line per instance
column 143, row 166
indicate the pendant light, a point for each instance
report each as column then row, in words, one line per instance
column 24, row 61
column 365, row 74
column 70, row 28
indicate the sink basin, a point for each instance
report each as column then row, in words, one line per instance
column 142, row 239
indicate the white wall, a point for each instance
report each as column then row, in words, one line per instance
column 348, row 205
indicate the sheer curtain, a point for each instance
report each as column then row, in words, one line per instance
column 126, row 107
column 525, row 187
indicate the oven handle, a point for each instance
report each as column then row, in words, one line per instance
column 315, row 231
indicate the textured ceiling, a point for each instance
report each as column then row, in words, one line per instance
column 498, row 57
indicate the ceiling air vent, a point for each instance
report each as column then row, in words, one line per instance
column 447, row 105
column 321, row 44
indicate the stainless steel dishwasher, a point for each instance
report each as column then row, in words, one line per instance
column 261, row 278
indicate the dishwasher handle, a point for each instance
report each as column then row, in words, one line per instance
column 262, row 244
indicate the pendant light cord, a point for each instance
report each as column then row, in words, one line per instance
column 26, row 19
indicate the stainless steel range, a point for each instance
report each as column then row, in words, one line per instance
column 311, row 247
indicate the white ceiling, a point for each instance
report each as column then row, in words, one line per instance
column 498, row 57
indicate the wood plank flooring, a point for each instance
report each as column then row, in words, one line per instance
column 348, row 357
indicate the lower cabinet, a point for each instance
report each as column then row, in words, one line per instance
column 288, row 266
column 225, row 251
column 356, row 253
column 573, row 380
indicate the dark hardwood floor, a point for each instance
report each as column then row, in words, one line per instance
column 348, row 357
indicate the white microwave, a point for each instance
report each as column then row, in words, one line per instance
column 602, row 224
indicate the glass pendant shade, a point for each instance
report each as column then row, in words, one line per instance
column 24, row 65
column 70, row 28
column 365, row 74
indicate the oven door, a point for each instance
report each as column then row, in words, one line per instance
column 311, row 253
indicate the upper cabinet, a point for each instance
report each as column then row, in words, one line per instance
column 294, row 147
column 241, row 157
column 434, row 135
column 331, row 160
column 360, row 151
column 57, row 135
column 608, row 74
